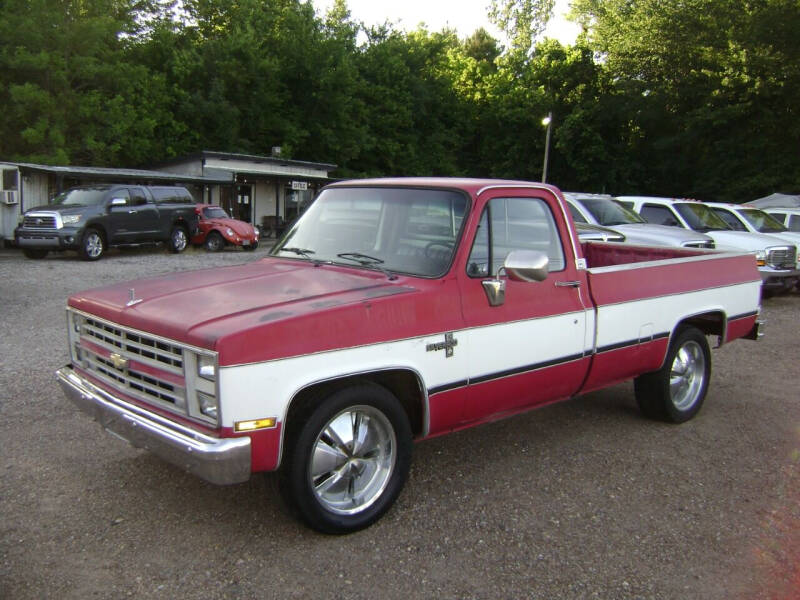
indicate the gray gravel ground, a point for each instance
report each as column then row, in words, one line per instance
column 583, row 499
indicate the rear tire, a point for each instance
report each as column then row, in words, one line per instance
column 675, row 393
column 178, row 239
column 34, row 253
column 93, row 245
column 347, row 459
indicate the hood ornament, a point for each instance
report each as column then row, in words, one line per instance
column 132, row 299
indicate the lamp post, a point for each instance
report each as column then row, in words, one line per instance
column 547, row 122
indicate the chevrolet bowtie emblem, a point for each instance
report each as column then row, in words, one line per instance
column 119, row 362
column 447, row 345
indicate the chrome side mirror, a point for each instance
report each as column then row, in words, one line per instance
column 118, row 202
column 526, row 265
column 519, row 265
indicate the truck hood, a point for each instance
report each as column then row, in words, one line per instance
column 199, row 307
column 745, row 240
column 661, row 235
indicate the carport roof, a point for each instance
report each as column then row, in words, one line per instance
column 276, row 160
column 115, row 173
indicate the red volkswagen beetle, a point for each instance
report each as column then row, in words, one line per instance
column 215, row 230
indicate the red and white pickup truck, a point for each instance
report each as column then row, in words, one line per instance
column 396, row 310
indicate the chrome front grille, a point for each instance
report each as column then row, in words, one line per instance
column 148, row 350
column 781, row 257
column 40, row 221
column 133, row 382
column 142, row 366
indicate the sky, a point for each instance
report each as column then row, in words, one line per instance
column 465, row 15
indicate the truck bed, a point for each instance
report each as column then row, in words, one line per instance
column 641, row 294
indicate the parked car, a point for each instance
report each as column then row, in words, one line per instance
column 215, row 230
column 777, row 260
column 90, row 219
column 789, row 217
column 602, row 209
column 396, row 310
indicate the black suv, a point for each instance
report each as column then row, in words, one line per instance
column 89, row 219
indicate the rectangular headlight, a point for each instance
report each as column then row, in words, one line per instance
column 206, row 367
column 208, row 405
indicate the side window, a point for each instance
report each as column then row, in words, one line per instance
column 514, row 224
column 730, row 219
column 779, row 216
column 171, row 195
column 576, row 216
column 794, row 223
column 137, row 196
column 660, row 215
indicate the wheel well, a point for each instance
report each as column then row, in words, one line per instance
column 403, row 384
column 712, row 323
column 97, row 227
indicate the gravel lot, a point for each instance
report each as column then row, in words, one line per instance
column 583, row 499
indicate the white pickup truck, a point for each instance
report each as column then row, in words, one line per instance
column 396, row 310
column 776, row 258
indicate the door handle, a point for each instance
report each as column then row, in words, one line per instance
column 132, row 212
column 572, row 284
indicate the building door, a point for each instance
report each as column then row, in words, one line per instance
column 244, row 206
column 296, row 203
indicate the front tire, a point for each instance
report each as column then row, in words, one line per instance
column 93, row 245
column 178, row 239
column 675, row 393
column 347, row 459
column 214, row 242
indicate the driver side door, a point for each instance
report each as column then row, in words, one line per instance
column 536, row 346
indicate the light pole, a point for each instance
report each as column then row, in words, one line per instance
column 547, row 122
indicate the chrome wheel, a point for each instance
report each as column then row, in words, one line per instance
column 93, row 245
column 179, row 239
column 675, row 393
column 687, row 375
column 352, row 460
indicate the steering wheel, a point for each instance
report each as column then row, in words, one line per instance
column 431, row 254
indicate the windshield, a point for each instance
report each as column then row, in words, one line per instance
column 80, row 197
column 607, row 212
column 700, row 217
column 402, row 230
column 761, row 221
column 214, row 212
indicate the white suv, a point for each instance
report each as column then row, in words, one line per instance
column 777, row 259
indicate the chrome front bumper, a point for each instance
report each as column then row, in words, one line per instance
column 217, row 460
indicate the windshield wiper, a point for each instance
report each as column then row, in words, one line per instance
column 304, row 252
column 365, row 260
